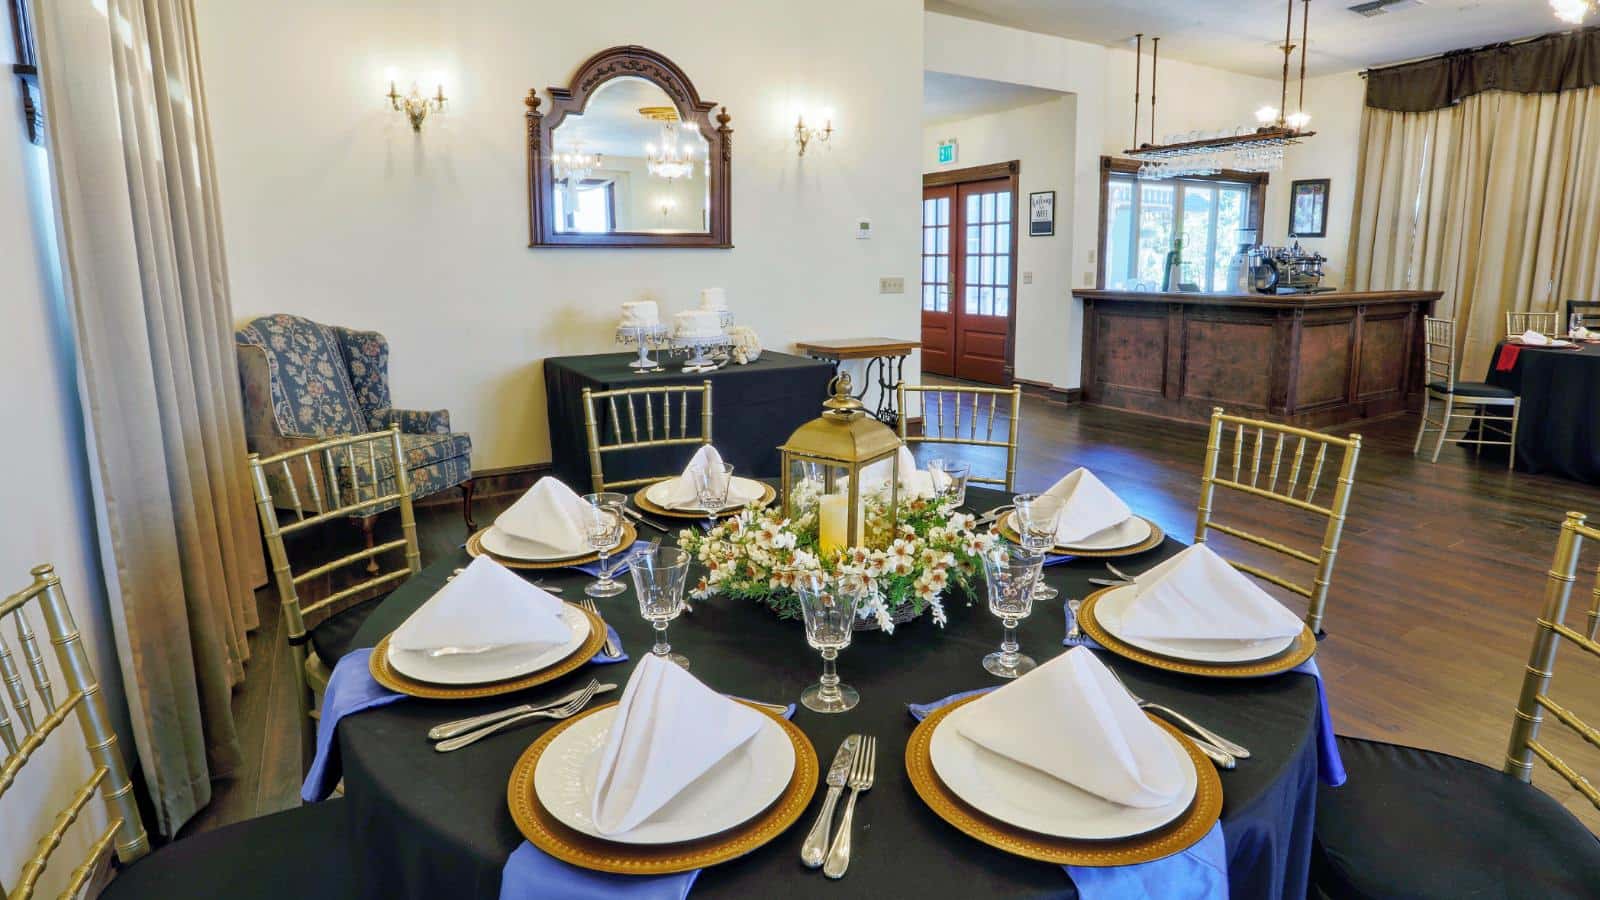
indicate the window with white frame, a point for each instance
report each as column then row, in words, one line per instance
column 1143, row 217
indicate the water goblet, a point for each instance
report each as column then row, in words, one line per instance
column 658, row 578
column 1012, row 574
column 602, row 529
column 950, row 480
column 711, row 485
column 1036, row 518
column 829, row 606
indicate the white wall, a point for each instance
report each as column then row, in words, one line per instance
column 1040, row 137
column 44, row 490
column 335, row 210
column 1335, row 103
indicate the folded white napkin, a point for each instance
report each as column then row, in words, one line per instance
column 549, row 517
column 487, row 605
column 1087, row 506
column 1070, row 719
column 1533, row 337
column 914, row 482
column 680, row 492
column 1198, row 595
column 669, row 730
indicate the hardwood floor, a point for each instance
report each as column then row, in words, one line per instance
column 1440, row 575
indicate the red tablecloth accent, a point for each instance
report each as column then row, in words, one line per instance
column 1507, row 360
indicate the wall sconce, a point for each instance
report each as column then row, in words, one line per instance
column 805, row 134
column 413, row 104
column 667, row 205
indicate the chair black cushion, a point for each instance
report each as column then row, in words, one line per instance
column 333, row 637
column 301, row 853
column 1410, row 823
column 1473, row 389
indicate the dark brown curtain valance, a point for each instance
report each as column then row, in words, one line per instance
column 1555, row 62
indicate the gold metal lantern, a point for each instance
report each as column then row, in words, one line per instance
column 823, row 462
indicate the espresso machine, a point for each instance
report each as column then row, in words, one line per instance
column 1286, row 270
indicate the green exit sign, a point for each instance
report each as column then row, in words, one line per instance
column 947, row 152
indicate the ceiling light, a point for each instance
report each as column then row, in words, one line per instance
column 1573, row 12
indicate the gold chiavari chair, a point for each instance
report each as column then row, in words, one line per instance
column 1280, row 482
column 344, row 476
column 1471, row 829
column 301, row 852
column 1542, row 322
column 654, row 411
column 1439, row 354
column 24, row 736
column 931, row 398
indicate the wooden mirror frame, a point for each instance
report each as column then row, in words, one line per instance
column 620, row 62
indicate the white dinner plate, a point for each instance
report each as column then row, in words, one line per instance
column 1113, row 604
column 735, row 790
column 747, row 487
column 502, row 543
column 1130, row 531
column 1028, row 798
column 493, row 665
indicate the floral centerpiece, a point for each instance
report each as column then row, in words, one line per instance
column 908, row 570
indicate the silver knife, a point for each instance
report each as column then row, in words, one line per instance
column 635, row 515
column 446, row 730
column 816, row 845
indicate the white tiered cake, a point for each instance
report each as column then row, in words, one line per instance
column 697, row 323
column 640, row 314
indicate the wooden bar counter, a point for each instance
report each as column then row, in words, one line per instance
column 1308, row 359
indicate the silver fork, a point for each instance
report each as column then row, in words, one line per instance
column 862, row 772
column 1232, row 749
column 1118, row 572
column 611, row 646
column 566, row 710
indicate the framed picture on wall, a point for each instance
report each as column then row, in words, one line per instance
column 1308, row 208
column 1042, row 213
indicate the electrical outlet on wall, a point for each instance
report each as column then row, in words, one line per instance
column 891, row 285
column 1088, row 279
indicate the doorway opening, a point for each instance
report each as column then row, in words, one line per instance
column 969, row 269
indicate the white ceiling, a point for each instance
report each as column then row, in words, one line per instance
column 948, row 98
column 1242, row 35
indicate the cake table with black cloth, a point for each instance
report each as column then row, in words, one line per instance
column 427, row 824
column 1558, row 429
column 755, row 407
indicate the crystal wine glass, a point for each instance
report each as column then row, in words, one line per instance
column 829, row 607
column 950, row 479
column 1036, row 519
column 1012, row 574
column 602, row 529
column 659, row 577
column 711, row 486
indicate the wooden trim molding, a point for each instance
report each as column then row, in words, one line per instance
column 972, row 173
column 630, row 61
column 1043, row 390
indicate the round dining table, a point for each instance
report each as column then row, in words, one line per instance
column 430, row 824
column 1558, row 425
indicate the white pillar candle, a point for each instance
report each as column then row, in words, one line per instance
column 833, row 522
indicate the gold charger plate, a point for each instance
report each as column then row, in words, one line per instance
column 545, row 832
column 1301, row 650
column 475, row 549
column 1179, row 834
column 768, row 494
column 1150, row 543
column 387, row 676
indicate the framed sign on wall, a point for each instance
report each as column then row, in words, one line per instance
column 1308, row 208
column 1042, row 213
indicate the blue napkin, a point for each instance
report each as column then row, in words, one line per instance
column 620, row 559
column 1054, row 559
column 532, row 874
column 1199, row 872
column 1330, row 766
column 351, row 689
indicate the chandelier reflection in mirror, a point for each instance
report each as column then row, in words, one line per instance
column 669, row 157
column 572, row 168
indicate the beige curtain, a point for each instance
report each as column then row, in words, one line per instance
column 1494, row 201
column 144, row 270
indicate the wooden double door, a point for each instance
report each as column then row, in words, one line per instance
column 969, row 278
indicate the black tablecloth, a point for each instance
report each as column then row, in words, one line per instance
column 432, row 825
column 754, row 408
column 1558, row 430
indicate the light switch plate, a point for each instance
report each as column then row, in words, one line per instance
column 891, row 285
column 1088, row 279
column 863, row 229
column 1027, row 278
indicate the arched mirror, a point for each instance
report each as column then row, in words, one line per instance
column 628, row 156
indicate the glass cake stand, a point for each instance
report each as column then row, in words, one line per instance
column 648, row 337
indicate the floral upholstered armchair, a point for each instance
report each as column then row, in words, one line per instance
column 305, row 382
